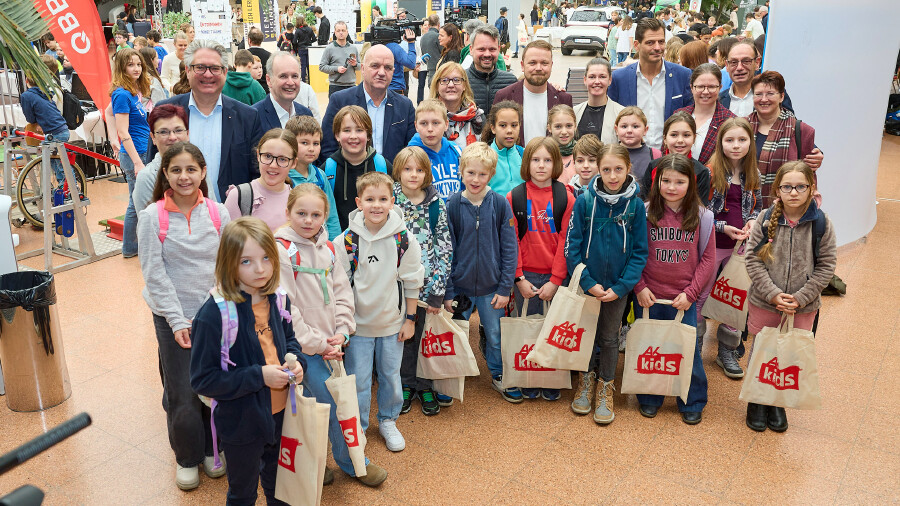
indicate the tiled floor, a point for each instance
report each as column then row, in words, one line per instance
column 489, row 451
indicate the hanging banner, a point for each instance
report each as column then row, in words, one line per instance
column 262, row 14
column 212, row 20
column 75, row 24
column 695, row 5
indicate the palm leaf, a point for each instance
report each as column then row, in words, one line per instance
column 21, row 23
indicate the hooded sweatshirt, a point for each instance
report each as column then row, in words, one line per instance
column 444, row 166
column 508, row 174
column 242, row 87
column 379, row 284
column 610, row 237
column 345, row 182
column 317, row 177
column 317, row 312
column 437, row 251
column 542, row 248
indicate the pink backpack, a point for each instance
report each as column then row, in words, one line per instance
column 164, row 217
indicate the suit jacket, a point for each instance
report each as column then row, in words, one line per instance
column 240, row 134
column 608, row 134
column 516, row 92
column 268, row 118
column 678, row 87
column 399, row 121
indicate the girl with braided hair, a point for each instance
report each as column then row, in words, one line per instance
column 792, row 258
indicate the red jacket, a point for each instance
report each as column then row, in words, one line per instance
column 542, row 248
column 515, row 93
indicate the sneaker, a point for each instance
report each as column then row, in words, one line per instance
column 187, row 478
column 408, row 394
column 582, row 403
column 209, row 466
column 728, row 362
column 622, row 333
column 604, row 414
column 328, row 479
column 375, row 475
column 513, row 395
column 531, row 393
column 430, row 405
column 550, row 394
column 444, row 400
column 391, row 434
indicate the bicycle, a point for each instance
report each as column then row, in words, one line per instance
column 29, row 197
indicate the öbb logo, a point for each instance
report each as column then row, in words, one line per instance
column 288, row 452
column 782, row 379
column 727, row 294
column 566, row 336
column 654, row 362
column 437, row 345
column 348, row 427
column 523, row 364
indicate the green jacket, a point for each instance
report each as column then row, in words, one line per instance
column 242, row 87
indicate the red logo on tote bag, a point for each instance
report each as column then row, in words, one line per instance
column 727, row 294
column 782, row 379
column 288, row 452
column 348, row 427
column 523, row 364
column 566, row 336
column 437, row 345
column 654, row 362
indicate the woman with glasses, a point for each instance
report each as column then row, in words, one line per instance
column 708, row 113
column 168, row 125
column 451, row 86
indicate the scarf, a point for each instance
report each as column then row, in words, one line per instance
column 468, row 122
column 627, row 192
column 567, row 149
column 775, row 149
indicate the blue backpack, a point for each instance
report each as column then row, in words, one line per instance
column 331, row 168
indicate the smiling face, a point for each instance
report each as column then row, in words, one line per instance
column 485, row 51
column 767, row 100
column 540, row 166
column 537, row 65
column 412, row 176
column 376, row 203
column 597, row 80
column 307, row 215
column 652, row 48
column 742, row 64
column 184, row 175
column 180, row 46
column 631, row 131
column 284, row 80
column 705, row 90
column 562, row 128
column 271, row 173
column 680, row 138
column 352, row 137
column 254, row 268
column 506, row 128
column 475, row 177
column 586, row 167
column 206, row 83
column 443, row 38
column 451, row 92
column 168, row 131
column 673, row 186
column 431, row 127
column 613, row 172
column 735, row 144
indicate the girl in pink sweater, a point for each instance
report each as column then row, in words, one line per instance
column 678, row 265
column 266, row 196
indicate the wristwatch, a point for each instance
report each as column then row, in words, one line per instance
column 520, row 278
column 411, row 317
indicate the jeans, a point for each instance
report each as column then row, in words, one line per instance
column 422, row 77
column 186, row 417
column 303, row 54
column 621, row 56
column 411, row 356
column 535, row 304
column 696, row 399
column 490, row 320
column 129, row 235
column 334, row 88
column 56, row 164
column 252, row 464
column 359, row 358
column 606, row 340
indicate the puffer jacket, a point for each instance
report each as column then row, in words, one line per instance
column 485, row 86
column 793, row 269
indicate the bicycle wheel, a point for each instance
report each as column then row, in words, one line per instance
column 28, row 190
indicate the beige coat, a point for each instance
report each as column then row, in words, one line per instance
column 608, row 135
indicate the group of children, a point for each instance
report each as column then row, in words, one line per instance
column 364, row 248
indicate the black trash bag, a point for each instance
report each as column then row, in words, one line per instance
column 32, row 291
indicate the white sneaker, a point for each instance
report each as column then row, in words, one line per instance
column 391, row 435
column 187, row 478
column 209, row 466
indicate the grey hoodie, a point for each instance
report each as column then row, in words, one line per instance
column 336, row 56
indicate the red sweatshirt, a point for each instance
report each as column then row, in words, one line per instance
column 542, row 248
column 674, row 264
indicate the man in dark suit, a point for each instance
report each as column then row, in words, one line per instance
column 225, row 130
column 283, row 76
column 533, row 93
column 393, row 115
column 254, row 39
column 658, row 87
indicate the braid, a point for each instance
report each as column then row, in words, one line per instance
column 765, row 253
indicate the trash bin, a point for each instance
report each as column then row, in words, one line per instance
column 31, row 348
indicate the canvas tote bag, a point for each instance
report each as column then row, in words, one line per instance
column 727, row 302
column 444, row 350
column 342, row 387
column 518, row 336
column 304, row 448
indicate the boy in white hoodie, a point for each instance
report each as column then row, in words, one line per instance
column 383, row 262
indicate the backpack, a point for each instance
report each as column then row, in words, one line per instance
column 285, row 43
column 351, row 246
column 244, row 204
column 818, row 232
column 72, row 111
column 520, row 205
column 331, row 168
column 164, row 217
column 294, row 255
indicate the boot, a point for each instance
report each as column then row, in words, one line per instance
column 604, row 414
column 582, row 403
column 777, row 419
column 727, row 360
column 756, row 417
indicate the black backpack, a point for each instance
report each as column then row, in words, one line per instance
column 72, row 111
column 520, row 204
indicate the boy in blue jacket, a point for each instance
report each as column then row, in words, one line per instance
column 37, row 108
column 607, row 233
column 431, row 125
column 309, row 143
column 485, row 253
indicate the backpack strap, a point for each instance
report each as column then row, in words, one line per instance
column 295, row 258
column 281, row 304
column 163, row 219
column 434, row 214
column 797, row 136
column 351, row 246
column 705, row 229
column 228, row 312
column 818, row 233
column 380, row 163
column 330, row 171
column 560, row 201
column 245, row 204
column 655, row 153
column 402, row 240
column 320, row 177
column 766, row 217
column 519, row 207
column 214, row 214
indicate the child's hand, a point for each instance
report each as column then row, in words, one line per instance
column 433, row 310
column 609, row 296
column 547, row 291
column 681, row 302
column 748, row 227
column 274, row 376
column 297, row 371
column 646, row 298
column 183, row 338
column 734, row 233
column 406, row 331
column 333, row 353
column 336, row 340
column 597, row 291
column 784, row 303
column 448, row 305
column 499, row 301
column 526, row 288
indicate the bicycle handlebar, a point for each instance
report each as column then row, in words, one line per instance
column 76, row 149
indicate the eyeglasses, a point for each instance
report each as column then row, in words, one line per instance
column 767, row 94
column 281, row 161
column 213, row 69
column 447, row 80
column 787, row 189
column 166, row 132
column 707, row 88
column 744, row 63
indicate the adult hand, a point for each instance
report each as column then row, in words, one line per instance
column 499, row 301
column 183, row 338
column 646, row 298
column 274, row 376
column 597, row 291
column 342, row 69
column 814, row 158
column 410, row 35
column 138, row 167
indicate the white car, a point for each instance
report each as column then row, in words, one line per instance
column 594, row 16
column 587, row 29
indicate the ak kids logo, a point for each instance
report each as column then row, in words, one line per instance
column 566, row 336
column 725, row 293
column 289, row 447
column 348, row 427
column 523, row 364
column 654, row 362
column 437, row 345
column 782, row 379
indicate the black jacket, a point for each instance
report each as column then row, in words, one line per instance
column 324, row 31
column 485, row 86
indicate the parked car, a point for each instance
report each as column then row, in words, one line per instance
column 587, row 29
column 593, row 16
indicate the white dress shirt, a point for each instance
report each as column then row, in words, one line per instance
column 651, row 98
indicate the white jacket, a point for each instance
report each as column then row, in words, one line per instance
column 613, row 108
column 378, row 280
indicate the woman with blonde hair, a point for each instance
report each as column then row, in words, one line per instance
column 451, row 86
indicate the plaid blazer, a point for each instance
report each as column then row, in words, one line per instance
column 709, row 144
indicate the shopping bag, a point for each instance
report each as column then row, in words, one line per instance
column 659, row 356
column 566, row 340
column 452, row 387
column 517, row 339
column 783, row 370
column 304, row 448
column 342, row 387
column 727, row 302
column 444, row 350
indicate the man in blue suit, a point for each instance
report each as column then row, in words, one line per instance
column 658, row 87
column 393, row 115
column 283, row 78
column 225, row 130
